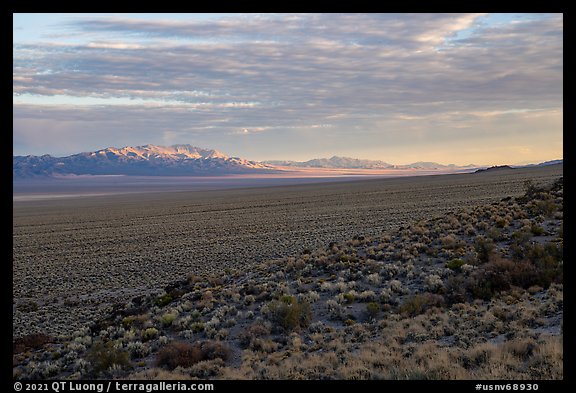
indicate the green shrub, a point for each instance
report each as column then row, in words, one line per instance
column 546, row 207
column 149, row 333
column 537, row 230
column 164, row 300
column 419, row 303
column 372, row 309
column 521, row 237
column 349, row 297
column 455, row 264
column 290, row 314
column 197, row 327
column 168, row 318
column 105, row 355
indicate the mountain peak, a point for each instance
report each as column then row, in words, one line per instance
column 179, row 151
column 145, row 160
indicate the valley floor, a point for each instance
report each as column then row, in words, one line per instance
column 448, row 277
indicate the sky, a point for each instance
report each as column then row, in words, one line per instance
column 451, row 88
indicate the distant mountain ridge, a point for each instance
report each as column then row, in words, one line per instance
column 335, row 162
column 545, row 163
column 147, row 160
column 188, row 160
column 354, row 163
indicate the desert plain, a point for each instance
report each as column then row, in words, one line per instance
column 78, row 260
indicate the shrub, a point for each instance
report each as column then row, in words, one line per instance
column 530, row 189
column 184, row 354
column 396, row 286
column 264, row 345
column 104, row 356
column 455, row 264
column 149, row 333
column 164, row 300
column 537, row 230
column 290, row 314
column 419, row 303
column 349, row 297
column 168, row 318
column 137, row 349
column 433, row 283
column 456, row 290
column 372, row 309
column 521, row 348
column 545, row 207
column 501, row 222
column 373, row 279
column 253, row 331
column 349, row 322
column 449, row 242
column 485, row 248
column 31, row 341
column 501, row 274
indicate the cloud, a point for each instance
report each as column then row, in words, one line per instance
column 366, row 74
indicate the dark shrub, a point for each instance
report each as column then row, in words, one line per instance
column 31, row 341
column 105, row 355
column 164, row 300
column 256, row 330
column 456, row 290
column 181, row 354
column 500, row 274
column 184, row 354
column 537, row 230
column 485, row 248
column 372, row 309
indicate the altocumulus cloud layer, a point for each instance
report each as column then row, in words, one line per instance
column 451, row 88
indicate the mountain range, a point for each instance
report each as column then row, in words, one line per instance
column 147, row 160
column 354, row 163
column 188, row 160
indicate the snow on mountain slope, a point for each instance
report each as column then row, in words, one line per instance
column 147, row 160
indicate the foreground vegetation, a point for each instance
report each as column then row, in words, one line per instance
column 475, row 293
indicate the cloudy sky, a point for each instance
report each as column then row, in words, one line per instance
column 451, row 88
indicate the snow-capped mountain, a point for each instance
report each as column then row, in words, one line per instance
column 147, row 160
